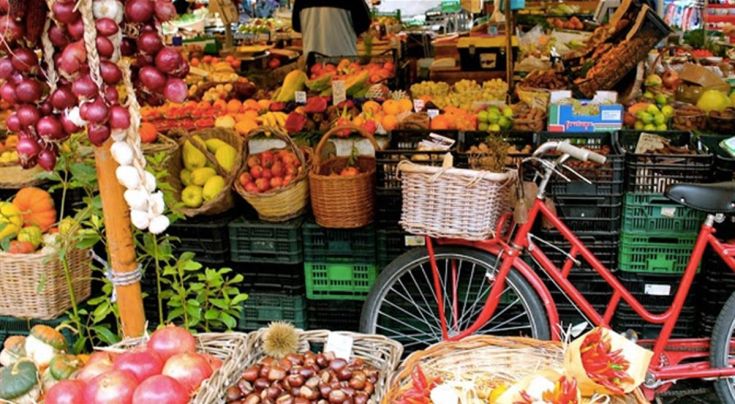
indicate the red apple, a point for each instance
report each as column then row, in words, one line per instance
column 251, row 187
column 277, row 169
column 276, row 182
column 245, row 178
column 267, row 173
column 262, row 184
column 256, row 172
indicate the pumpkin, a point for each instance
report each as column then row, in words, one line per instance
column 13, row 349
column 43, row 343
column 36, row 206
column 21, row 247
column 62, row 367
column 19, row 383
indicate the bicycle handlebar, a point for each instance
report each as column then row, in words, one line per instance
column 573, row 151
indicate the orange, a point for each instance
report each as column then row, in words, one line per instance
column 245, row 126
column 251, row 105
column 440, row 122
column 389, row 122
column 234, row 106
column 240, row 117
column 264, row 104
column 194, row 62
column 148, row 132
column 358, row 120
column 252, row 114
column 391, row 107
column 371, row 107
column 205, row 105
column 405, row 104
column 220, row 104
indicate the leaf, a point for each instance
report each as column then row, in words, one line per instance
column 174, row 314
column 229, row 321
column 191, row 265
column 101, row 312
column 79, row 345
column 211, row 314
column 83, row 173
column 193, row 312
column 239, row 299
column 219, row 303
column 193, row 303
column 237, row 278
column 105, row 335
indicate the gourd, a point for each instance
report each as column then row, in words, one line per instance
column 13, row 349
column 36, row 206
column 19, row 383
column 10, row 220
column 62, row 367
column 43, row 343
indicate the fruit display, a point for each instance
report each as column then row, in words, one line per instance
column 8, row 154
column 494, row 154
column 28, row 223
column 571, row 23
column 495, row 119
column 688, row 117
column 455, row 118
column 357, row 77
column 464, row 94
column 201, row 180
column 527, row 118
column 649, row 116
column 546, row 79
column 270, row 171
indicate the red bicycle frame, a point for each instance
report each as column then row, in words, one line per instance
column 668, row 353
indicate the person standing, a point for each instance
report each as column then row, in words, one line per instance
column 330, row 27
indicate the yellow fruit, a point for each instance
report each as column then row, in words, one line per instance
column 713, row 100
column 213, row 187
column 405, row 105
column 193, row 158
column 185, row 177
column 246, row 126
column 66, row 225
column 11, row 220
column 191, row 196
column 294, row 81
column 214, row 144
column 225, row 156
column 225, row 122
column 200, row 176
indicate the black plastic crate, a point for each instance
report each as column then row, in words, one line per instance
column 724, row 164
column 603, row 245
column 591, row 285
column 595, row 214
column 264, row 242
column 656, row 290
column 522, row 146
column 263, row 308
column 653, row 173
column 403, row 145
column 335, row 315
column 207, row 237
column 686, row 326
column 569, row 315
column 606, row 179
column 388, row 204
column 392, row 242
column 287, row 279
column 338, row 245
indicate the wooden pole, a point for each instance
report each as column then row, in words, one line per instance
column 120, row 243
column 509, row 46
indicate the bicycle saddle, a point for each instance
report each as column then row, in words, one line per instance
column 711, row 198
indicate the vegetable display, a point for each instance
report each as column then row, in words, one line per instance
column 605, row 366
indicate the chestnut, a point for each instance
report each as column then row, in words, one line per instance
column 252, row 399
column 245, row 386
column 369, row 388
column 285, row 364
column 312, row 382
column 276, row 373
column 233, row 393
column 251, row 373
column 301, row 400
column 358, row 380
column 324, row 376
column 295, row 359
column 308, row 393
column 321, row 361
column 361, row 398
column 324, row 390
column 295, row 380
column 337, row 364
column 344, row 374
column 285, row 399
column 273, row 392
column 264, row 370
column 261, row 384
column 337, row 396
column 306, row 372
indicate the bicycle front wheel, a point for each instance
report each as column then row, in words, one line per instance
column 721, row 351
column 402, row 305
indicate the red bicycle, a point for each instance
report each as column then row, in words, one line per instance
column 454, row 288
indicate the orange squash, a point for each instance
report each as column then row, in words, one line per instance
column 36, row 206
column 21, row 247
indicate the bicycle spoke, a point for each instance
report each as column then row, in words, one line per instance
column 409, row 337
column 406, row 312
column 410, row 300
column 400, row 321
column 423, row 297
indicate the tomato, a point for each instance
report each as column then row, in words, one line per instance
column 160, row 389
column 142, row 364
column 171, row 340
column 66, row 392
column 113, row 387
column 188, row 368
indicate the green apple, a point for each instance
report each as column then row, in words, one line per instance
column 661, row 99
column 639, row 125
column 648, row 95
column 652, row 109
column 493, row 116
column 661, row 127
column 508, row 112
column 668, row 111
column 505, row 123
column 649, row 126
column 191, row 196
column 645, row 117
column 659, row 119
column 482, row 116
column 482, row 126
column 494, row 128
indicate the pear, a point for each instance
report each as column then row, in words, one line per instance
column 214, row 144
column 185, row 177
column 213, row 187
column 200, row 176
column 191, row 196
column 193, row 158
column 225, row 156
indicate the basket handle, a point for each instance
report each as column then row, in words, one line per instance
column 188, row 136
column 279, row 134
column 323, row 142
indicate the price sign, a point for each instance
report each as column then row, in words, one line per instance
column 340, row 344
column 418, row 105
column 433, row 113
column 300, row 97
column 339, row 92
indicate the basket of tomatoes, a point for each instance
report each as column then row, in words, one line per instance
column 273, row 181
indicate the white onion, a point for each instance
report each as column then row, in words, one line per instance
column 139, row 218
column 158, row 224
column 136, row 198
column 156, row 203
column 122, row 153
column 112, row 9
column 150, row 182
column 128, row 177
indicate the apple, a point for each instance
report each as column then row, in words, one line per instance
column 192, row 196
column 287, row 180
column 256, row 172
column 253, row 161
column 277, row 169
column 266, row 158
column 276, row 182
column 245, row 178
column 291, row 170
column 267, row 174
column 251, row 187
column 262, row 184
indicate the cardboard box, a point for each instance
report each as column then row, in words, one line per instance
column 564, row 118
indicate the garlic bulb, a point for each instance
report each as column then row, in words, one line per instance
column 128, row 177
column 139, row 218
column 158, row 224
column 150, row 182
column 122, row 153
column 108, row 9
column 156, row 203
column 74, row 116
column 118, row 135
column 137, row 199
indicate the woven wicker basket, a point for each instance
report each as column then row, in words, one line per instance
column 163, row 144
column 381, row 352
column 342, row 202
column 486, row 358
column 224, row 201
column 34, row 285
column 230, row 348
column 445, row 202
column 13, row 176
column 278, row 205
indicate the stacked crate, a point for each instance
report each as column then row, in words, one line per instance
column 658, row 235
column 206, row 236
column 592, row 211
column 724, row 162
column 718, row 280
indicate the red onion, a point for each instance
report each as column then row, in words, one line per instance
column 12, row 31
column 29, row 90
column 105, row 48
column 72, row 58
column 165, row 10
column 95, row 111
column 168, row 60
column 127, row 47
column 16, row 78
column 84, row 87
column 152, row 78
column 111, row 95
column 69, row 127
column 28, row 115
column 49, row 128
column 47, row 159
column 149, row 42
column 139, row 10
column 6, row 68
column 65, row 13
column 98, row 134
column 7, row 93
column 181, row 72
column 4, row 6
column 144, row 59
column 46, row 108
column 58, row 37
column 27, row 146
column 13, row 123
column 111, row 74
column 119, row 117
column 24, row 60
column 76, row 30
column 106, row 26
column 175, row 90
column 63, row 98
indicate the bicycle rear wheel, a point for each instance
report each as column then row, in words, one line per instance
column 402, row 304
column 721, row 353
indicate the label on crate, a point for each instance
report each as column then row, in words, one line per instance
column 657, row 290
column 339, row 92
column 340, row 344
column 415, row 241
column 300, row 97
column 433, row 113
column 668, row 211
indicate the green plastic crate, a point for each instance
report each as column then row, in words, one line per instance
column 262, row 308
column 10, row 326
column 339, row 280
column 263, row 242
column 338, row 245
column 655, row 253
column 659, row 214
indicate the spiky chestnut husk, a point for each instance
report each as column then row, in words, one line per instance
column 280, row 339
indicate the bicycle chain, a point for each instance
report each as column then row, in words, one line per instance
column 684, row 393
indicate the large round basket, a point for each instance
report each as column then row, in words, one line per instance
column 35, row 286
column 224, row 201
column 282, row 204
column 230, row 348
column 488, row 359
column 342, row 202
column 446, row 202
column 164, row 144
column 381, row 352
column 13, row 176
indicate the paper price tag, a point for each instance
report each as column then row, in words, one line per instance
column 669, row 212
column 339, row 92
column 433, row 113
column 657, row 290
column 300, row 97
column 414, row 241
column 418, row 105
column 340, row 344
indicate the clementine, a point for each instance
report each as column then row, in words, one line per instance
column 148, row 132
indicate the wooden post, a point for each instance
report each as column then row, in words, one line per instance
column 120, row 243
column 509, row 46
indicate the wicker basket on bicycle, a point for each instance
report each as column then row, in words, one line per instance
column 342, row 201
column 447, row 202
column 482, row 363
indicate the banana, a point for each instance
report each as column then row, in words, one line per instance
column 281, row 119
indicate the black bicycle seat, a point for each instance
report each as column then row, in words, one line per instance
column 711, row 198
